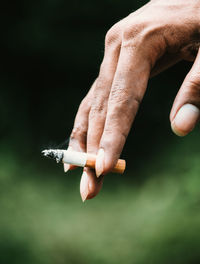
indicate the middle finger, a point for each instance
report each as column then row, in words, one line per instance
column 98, row 111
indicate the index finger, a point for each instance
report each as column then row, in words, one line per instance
column 127, row 91
column 78, row 136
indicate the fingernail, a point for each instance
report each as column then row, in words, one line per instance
column 66, row 167
column 84, row 186
column 185, row 120
column 100, row 163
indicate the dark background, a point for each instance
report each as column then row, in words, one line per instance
column 50, row 55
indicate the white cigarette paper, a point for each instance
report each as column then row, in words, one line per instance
column 74, row 158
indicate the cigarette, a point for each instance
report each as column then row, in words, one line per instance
column 80, row 159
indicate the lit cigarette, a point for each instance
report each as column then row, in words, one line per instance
column 80, row 159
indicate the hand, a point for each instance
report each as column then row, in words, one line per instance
column 143, row 44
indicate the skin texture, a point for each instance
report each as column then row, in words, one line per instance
column 142, row 45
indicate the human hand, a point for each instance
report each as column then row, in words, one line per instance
column 143, row 44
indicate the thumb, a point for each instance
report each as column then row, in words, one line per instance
column 185, row 112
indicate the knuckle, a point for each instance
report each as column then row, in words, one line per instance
column 120, row 95
column 144, row 37
column 113, row 34
column 114, row 139
column 113, row 134
column 85, row 105
column 122, row 101
column 84, row 102
column 137, row 100
column 132, row 30
column 138, row 33
column 98, row 109
column 190, row 51
column 78, row 133
column 194, row 81
column 191, row 89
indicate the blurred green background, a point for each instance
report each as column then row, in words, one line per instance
column 51, row 52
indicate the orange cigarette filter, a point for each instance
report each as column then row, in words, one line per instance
column 119, row 167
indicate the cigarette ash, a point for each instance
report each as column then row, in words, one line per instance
column 54, row 151
column 55, row 154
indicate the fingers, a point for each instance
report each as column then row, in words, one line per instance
column 90, row 185
column 79, row 132
column 78, row 141
column 127, row 91
column 97, row 116
column 98, row 109
column 185, row 111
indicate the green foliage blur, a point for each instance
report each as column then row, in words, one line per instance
column 51, row 52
